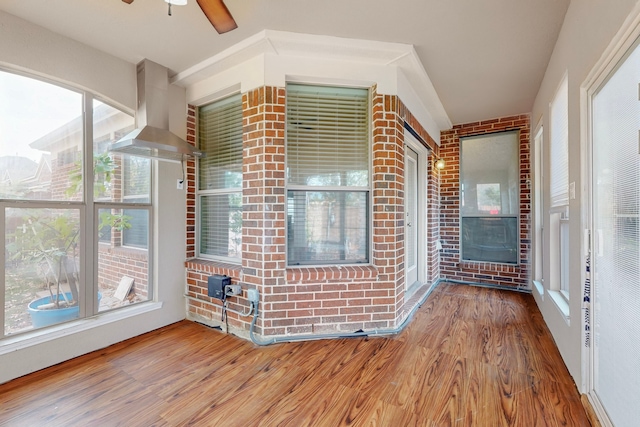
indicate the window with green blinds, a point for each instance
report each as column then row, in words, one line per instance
column 328, row 162
column 220, row 179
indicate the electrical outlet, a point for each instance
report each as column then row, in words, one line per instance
column 253, row 295
column 232, row 290
column 180, row 185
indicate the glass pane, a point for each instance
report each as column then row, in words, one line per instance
column 136, row 179
column 117, row 177
column 490, row 174
column 489, row 201
column 220, row 138
column 137, row 232
column 42, row 267
column 327, row 136
column 490, row 239
column 327, row 227
column 41, row 140
column 123, row 272
column 564, row 256
column 559, row 147
column 221, row 225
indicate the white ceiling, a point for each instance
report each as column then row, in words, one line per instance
column 486, row 58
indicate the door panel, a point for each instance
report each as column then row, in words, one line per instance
column 411, row 220
column 616, row 259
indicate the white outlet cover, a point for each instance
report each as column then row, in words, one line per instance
column 572, row 190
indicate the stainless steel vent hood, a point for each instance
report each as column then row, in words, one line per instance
column 152, row 137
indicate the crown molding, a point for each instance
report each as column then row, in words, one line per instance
column 283, row 44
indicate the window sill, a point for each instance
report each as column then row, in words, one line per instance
column 539, row 288
column 29, row 339
column 469, row 265
column 130, row 251
column 341, row 272
column 203, row 264
column 561, row 304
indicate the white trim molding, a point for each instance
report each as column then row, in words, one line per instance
column 270, row 57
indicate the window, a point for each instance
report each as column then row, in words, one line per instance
column 559, row 190
column 137, row 189
column 49, row 260
column 490, row 198
column 220, row 179
column 327, row 175
column 122, row 188
column 559, row 153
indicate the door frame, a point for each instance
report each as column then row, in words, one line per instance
column 619, row 47
column 411, row 217
column 421, row 204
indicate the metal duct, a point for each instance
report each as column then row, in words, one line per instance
column 152, row 138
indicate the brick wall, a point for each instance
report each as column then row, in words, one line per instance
column 452, row 267
column 311, row 300
column 116, row 261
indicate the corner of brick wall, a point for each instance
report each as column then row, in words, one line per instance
column 311, row 300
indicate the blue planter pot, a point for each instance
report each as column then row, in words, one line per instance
column 41, row 318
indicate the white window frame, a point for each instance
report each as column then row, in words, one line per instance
column 559, row 195
column 88, row 221
column 538, row 219
column 515, row 215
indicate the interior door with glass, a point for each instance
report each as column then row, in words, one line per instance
column 615, row 384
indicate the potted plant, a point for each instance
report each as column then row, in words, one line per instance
column 49, row 239
column 51, row 243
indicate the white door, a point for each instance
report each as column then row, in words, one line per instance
column 615, row 272
column 411, row 219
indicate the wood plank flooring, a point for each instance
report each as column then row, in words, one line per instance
column 471, row 356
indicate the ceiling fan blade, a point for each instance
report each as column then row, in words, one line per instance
column 128, row 1
column 218, row 15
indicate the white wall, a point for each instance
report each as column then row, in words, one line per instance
column 588, row 28
column 29, row 48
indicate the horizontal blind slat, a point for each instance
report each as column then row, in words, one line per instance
column 559, row 155
column 327, row 134
column 220, row 138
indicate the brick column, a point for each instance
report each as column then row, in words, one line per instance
column 388, row 196
column 264, row 201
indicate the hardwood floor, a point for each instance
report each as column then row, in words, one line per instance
column 471, row 356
